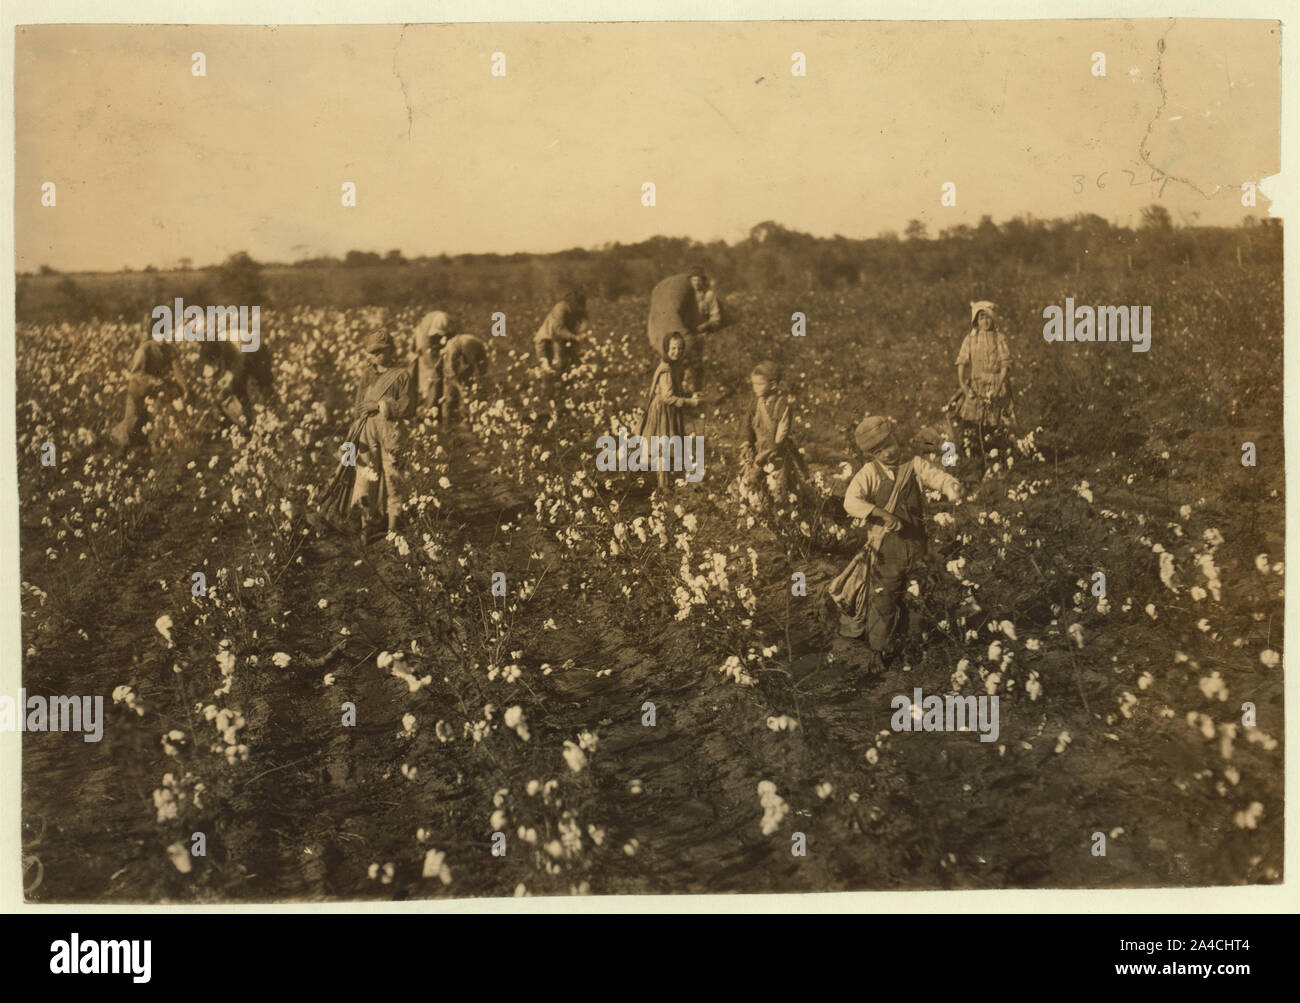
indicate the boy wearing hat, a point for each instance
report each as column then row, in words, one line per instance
column 768, row 441
column 381, row 398
column 888, row 493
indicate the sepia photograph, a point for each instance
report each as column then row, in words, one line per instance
column 492, row 460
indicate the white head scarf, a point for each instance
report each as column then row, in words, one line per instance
column 437, row 324
column 977, row 306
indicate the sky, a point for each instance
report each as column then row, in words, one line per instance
column 152, row 164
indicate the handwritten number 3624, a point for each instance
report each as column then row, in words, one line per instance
column 1157, row 175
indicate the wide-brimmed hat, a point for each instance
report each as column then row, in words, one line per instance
column 769, row 371
column 377, row 342
column 872, row 433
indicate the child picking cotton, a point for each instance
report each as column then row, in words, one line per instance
column 372, row 483
column 463, row 362
column 769, row 458
column 983, row 365
column 889, row 493
column 155, row 370
column 664, row 419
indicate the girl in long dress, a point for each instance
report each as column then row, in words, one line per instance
column 982, row 367
column 664, row 404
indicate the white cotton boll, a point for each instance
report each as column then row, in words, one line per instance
column 575, row 757
column 1249, row 819
column 164, row 627
column 180, row 857
column 1212, row 686
column 1269, row 658
column 280, row 659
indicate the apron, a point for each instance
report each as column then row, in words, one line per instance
column 336, row 502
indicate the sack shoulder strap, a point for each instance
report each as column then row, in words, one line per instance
column 901, row 480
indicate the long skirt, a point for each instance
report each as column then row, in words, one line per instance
column 374, row 484
column 662, row 421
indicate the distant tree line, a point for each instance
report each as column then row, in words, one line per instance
column 771, row 257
